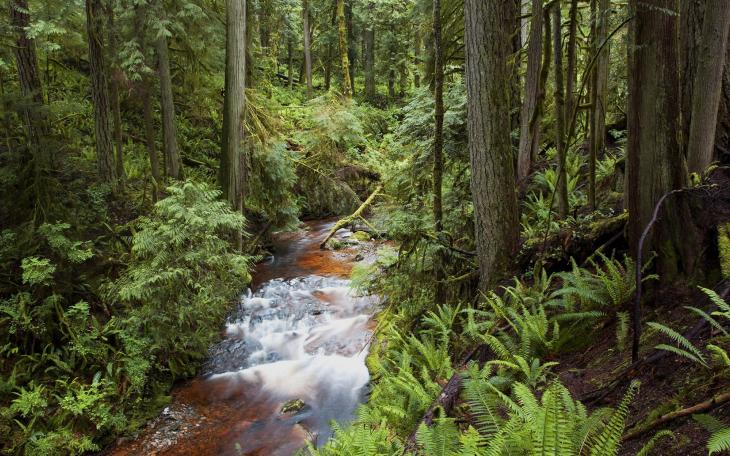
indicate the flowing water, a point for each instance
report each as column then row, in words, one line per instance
column 301, row 336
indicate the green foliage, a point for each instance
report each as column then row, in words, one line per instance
column 71, row 373
column 182, row 275
column 554, row 424
column 685, row 348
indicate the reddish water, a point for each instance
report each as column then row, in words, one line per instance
column 238, row 413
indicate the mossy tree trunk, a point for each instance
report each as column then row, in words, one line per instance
column 559, row 94
column 173, row 165
column 307, row 47
column 493, row 176
column 707, row 86
column 656, row 164
column 100, row 92
column 530, row 116
column 344, row 50
column 233, row 159
column 438, row 147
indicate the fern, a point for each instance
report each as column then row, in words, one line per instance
column 684, row 347
column 607, row 442
column 719, row 441
column 441, row 439
column 649, row 446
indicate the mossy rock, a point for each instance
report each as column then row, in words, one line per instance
column 293, row 406
column 361, row 236
column 334, row 244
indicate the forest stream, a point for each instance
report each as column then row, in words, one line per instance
column 292, row 359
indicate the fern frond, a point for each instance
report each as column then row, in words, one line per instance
column 685, row 345
column 607, row 442
column 646, row 449
column 719, row 441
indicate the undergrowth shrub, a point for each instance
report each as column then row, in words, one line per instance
column 81, row 360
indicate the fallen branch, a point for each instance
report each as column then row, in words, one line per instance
column 351, row 218
column 697, row 408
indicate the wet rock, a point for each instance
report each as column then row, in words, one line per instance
column 293, row 406
column 359, row 257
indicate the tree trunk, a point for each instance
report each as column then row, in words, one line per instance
column 370, row 63
column 328, row 68
column 570, row 98
column 100, row 93
column 351, row 45
column 515, row 101
column 692, row 14
column 438, row 146
column 599, row 91
column 307, row 47
column 530, row 117
column 344, row 59
column 391, row 84
column 487, row 39
column 562, row 183
column 722, row 133
column 707, row 87
column 169, row 132
column 30, row 82
column 656, row 164
column 114, row 75
column 233, row 160
column 417, row 60
column 144, row 89
column 290, row 62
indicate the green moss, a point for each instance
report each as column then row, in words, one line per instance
column 361, row 236
column 723, row 246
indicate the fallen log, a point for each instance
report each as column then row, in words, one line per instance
column 667, row 417
column 352, row 217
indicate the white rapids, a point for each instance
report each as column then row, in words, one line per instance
column 304, row 338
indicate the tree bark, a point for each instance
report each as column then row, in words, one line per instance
column 570, row 98
column 438, row 146
column 169, row 132
column 351, row 45
column 114, row 75
column 370, row 61
column 530, row 117
column 233, row 159
column 30, row 82
column 599, row 95
column 493, row 177
column 100, row 92
column 290, row 62
column 307, row 47
column 692, row 14
column 562, row 183
column 707, row 86
column 344, row 59
column 656, row 164
column 417, row 59
column 144, row 89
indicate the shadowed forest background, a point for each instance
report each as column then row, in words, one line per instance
column 547, row 183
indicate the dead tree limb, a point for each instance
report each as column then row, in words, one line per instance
column 697, row 408
column 639, row 266
column 352, row 217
